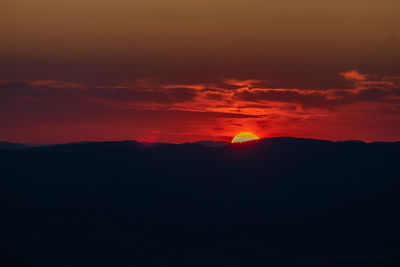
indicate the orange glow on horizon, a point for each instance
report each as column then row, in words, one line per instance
column 244, row 137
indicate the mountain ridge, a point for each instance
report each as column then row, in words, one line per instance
column 273, row 202
column 210, row 143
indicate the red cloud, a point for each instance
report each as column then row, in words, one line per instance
column 233, row 105
column 354, row 75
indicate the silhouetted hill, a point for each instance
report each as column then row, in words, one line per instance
column 210, row 143
column 270, row 202
column 9, row 145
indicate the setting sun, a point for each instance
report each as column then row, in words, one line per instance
column 244, row 137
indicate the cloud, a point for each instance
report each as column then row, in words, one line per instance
column 354, row 75
column 366, row 88
column 226, row 106
column 306, row 100
column 55, row 84
column 130, row 95
column 33, row 103
column 244, row 83
column 216, row 96
column 232, row 96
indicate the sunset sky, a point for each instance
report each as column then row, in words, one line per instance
column 188, row 70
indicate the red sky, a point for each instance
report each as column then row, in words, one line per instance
column 177, row 71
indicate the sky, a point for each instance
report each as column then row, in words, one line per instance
column 187, row 70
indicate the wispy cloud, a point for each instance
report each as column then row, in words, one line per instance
column 228, row 104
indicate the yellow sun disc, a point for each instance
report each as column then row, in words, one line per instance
column 244, row 137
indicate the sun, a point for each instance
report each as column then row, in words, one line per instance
column 244, row 137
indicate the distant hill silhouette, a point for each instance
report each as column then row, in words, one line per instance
column 269, row 202
column 209, row 143
column 9, row 145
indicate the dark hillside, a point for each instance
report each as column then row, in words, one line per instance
column 272, row 202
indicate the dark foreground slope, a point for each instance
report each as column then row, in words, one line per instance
column 277, row 202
